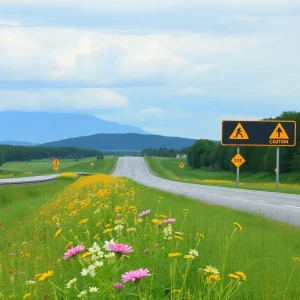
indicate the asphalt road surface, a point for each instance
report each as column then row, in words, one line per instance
column 32, row 179
column 278, row 206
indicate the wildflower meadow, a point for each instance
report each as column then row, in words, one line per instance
column 100, row 239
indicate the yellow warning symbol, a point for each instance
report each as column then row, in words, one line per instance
column 279, row 133
column 239, row 133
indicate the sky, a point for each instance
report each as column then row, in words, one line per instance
column 172, row 67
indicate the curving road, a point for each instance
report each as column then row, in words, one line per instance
column 279, row 206
column 32, row 179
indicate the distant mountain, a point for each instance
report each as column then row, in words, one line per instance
column 16, row 143
column 43, row 127
column 123, row 142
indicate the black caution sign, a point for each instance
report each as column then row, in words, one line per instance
column 259, row 133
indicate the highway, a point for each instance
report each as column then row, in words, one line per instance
column 278, row 206
column 32, row 179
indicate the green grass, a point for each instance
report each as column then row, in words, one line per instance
column 17, row 202
column 263, row 249
column 45, row 167
column 168, row 168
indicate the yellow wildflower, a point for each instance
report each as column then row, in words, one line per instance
column 96, row 236
column 83, row 221
column 87, row 254
column 58, row 232
column 189, row 256
column 157, row 222
column 178, row 237
column 186, row 210
column 176, row 291
column 238, row 226
column 131, row 229
column 69, row 245
column 108, row 230
column 200, row 235
column 233, row 276
column 46, row 275
column 213, row 278
column 176, row 254
column 26, row 295
column 241, row 275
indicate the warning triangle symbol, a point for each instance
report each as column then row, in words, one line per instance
column 279, row 133
column 239, row 133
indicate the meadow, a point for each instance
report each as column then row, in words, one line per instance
column 168, row 168
column 45, row 167
column 104, row 237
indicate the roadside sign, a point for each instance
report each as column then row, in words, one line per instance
column 56, row 162
column 238, row 160
column 181, row 165
column 92, row 164
column 55, row 168
column 259, row 133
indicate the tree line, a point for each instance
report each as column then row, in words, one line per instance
column 163, row 152
column 206, row 153
column 27, row 153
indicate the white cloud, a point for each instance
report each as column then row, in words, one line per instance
column 82, row 100
column 9, row 23
column 190, row 91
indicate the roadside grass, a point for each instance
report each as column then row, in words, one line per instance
column 17, row 202
column 168, row 168
column 99, row 208
column 45, row 167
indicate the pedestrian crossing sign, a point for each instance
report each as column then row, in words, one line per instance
column 239, row 133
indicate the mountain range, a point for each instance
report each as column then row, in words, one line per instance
column 32, row 128
column 123, row 142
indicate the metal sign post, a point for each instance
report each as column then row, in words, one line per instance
column 238, row 170
column 277, row 167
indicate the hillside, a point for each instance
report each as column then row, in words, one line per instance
column 22, row 126
column 123, row 142
column 17, row 143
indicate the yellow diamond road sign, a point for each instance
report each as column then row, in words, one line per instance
column 56, row 162
column 238, row 160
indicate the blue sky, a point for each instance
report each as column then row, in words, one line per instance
column 172, row 67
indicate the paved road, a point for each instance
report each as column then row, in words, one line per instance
column 279, row 206
column 32, row 179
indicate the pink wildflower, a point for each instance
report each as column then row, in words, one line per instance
column 135, row 275
column 144, row 213
column 118, row 285
column 169, row 220
column 74, row 251
column 120, row 248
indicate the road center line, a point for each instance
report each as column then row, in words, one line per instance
column 290, row 206
column 261, row 201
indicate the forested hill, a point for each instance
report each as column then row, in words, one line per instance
column 121, row 142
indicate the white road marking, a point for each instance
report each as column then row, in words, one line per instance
column 261, row 201
column 239, row 197
column 290, row 206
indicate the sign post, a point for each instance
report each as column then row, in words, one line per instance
column 238, row 170
column 277, row 167
column 269, row 133
column 238, row 160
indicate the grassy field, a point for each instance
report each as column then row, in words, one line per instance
column 168, row 168
column 44, row 167
column 99, row 208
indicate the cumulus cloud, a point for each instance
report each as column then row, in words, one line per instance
column 155, row 111
column 81, row 100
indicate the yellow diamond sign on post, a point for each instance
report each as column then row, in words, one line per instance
column 56, row 162
column 238, row 160
column 92, row 164
column 55, row 168
column 181, row 165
